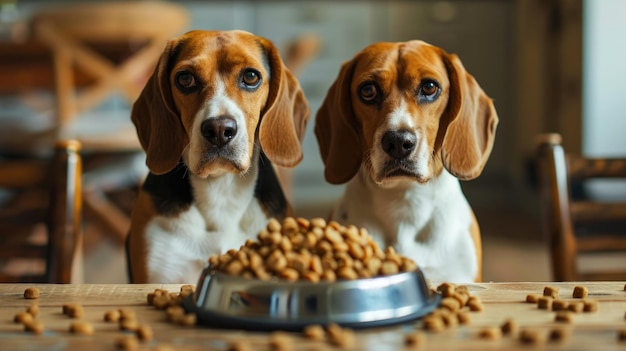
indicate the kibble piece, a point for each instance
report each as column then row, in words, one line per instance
column 559, row 305
column 590, row 306
column 344, row 339
column 492, row 333
column 580, row 292
column 32, row 293
column 551, row 291
column 174, row 313
column 463, row 317
column 564, row 316
column 545, row 303
column 462, row 297
column 434, row 324
column 129, row 324
column 112, row 316
column 475, row 305
column 450, row 303
column 314, row 332
column 280, row 341
column 238, row 345
column 558, row 335
column 415, row 339
column 576, row 306
column 446, row 289
column 82, row 328
column 73, row 310
column 509, row 327
column 33, row 310
column 188, row 320
column 532, row 298
column 126, row 314
column 23, row 318
column 530, row 336
column 35, row 327
column 144, row 333
column 450, row 320
column 127, row 342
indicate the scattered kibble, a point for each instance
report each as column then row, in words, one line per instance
column 559, row 305
column 580, row 292
column 32, row 293
column 545, row 303
column 621, row 335
column 558, row 335
column 23, row 318
column 590, row 306
column 144, row 333
column 35, row 327
column 491, row 333
column 82, row 328
column 576, row 306
column 127, row 342
column 415, row 340
column 112, row 316
column 280, row 341
column 530, row 336
column 446, row 289
column 564, row 316
column 238, row 345
column 509, row 327
column 532, row 298
column 33, row 310
column 314, row 332
column 551, row 291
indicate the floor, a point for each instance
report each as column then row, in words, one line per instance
column 512, row 249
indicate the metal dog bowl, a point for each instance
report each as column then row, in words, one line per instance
column 226, row 301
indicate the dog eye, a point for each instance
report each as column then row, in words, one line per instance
column 185, row 80
column 368, row 92
column 428, row 90
column 251, row 78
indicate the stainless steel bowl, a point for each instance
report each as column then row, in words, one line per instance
column 234, row 302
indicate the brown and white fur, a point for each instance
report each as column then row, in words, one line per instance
column 219, row 108
column 401, row 124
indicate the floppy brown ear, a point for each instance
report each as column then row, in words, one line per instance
column 159, row 128
column 286, row 113
column 471, row 121
column 335, row 129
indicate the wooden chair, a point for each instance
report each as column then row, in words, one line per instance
column 575, row 222
column 40, row 217
column 116, row 45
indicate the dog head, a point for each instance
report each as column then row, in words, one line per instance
column 212, row 97
column 404, row 111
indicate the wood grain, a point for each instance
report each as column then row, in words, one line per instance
column 590, row 331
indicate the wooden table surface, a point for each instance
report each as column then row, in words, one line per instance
column 589, row 331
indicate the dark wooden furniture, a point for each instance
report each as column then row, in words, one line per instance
column 577, row 223
column 42, row 195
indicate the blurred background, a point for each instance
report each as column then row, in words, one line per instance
column 550, row 66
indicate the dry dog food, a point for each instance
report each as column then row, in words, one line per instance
column 576, row 306
column 621, row 335
column 433, row 323
column 415, row 339
column 532, row 298
column 450, row 303
column 590, row 306
column 342, row 337
column 187, row 320
column 82, row 328
column 127, row 342
column 129, row 324
column 463, row 317
column 299, row 249
column 559, row 305
column 447, row 289
column 530, row 336
column 23, row 318
column 474, row 304
column 580, row 292
column 551, row 291
column 144, row 332
column 33, row 310
column 73, row 310
column 314, row 332
column 112, row 316
column 35, row 327
column 564, row 316
column 545, row 303
column 491, row 333
column 280, row 341
column 238, row 345
column 509, row 327
column 558, row 335
column 31, row 293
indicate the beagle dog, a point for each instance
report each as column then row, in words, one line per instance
column 401, row 124
column 219, row 110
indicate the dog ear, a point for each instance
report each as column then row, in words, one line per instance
column 335, row 125
column 286, row 113
column 468, row 125
column 159, row 128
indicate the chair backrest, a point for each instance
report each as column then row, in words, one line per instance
column 59, row 180
column 578, row 223
column 139, row 29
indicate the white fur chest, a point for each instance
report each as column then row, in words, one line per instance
column 223, row 215
column 429, row 223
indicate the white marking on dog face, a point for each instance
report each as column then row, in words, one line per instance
column 201, row 156
column 401, row 119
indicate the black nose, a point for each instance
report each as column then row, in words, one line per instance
column 219, row 131
column 399, row 144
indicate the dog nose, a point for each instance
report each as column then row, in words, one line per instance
column 219, row 131
column 399, row 144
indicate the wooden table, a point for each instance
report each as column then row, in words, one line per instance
column 589, row 331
